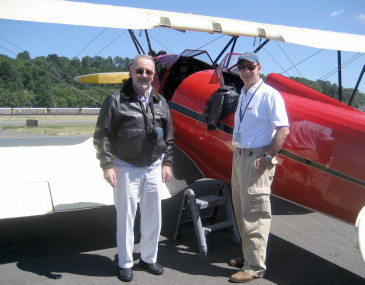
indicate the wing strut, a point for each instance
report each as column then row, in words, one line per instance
column 357, row 85
column 234, row 40
column 136, row 43
column 151, row 52
column 339, row 75
column 261, row 46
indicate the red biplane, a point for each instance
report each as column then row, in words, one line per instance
column 322, row 164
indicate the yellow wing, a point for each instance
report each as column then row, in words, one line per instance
column 103, row 78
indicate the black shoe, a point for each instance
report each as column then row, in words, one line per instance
column 125, row 274
column 154, row 268
column 236, row 262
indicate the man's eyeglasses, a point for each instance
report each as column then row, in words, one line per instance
column 140, row 71
column 249, row 67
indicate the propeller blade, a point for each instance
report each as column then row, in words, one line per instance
column 103, row 78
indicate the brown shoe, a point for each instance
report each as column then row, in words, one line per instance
column 236, row 262
column 241, row 277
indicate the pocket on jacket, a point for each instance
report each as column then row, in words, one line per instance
column 129, row 142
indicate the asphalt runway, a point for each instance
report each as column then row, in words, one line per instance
column 78, row 247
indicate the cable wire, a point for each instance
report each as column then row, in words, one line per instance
column 90, row 42
column 288, row 58
column 346, row 63
column 303, row 60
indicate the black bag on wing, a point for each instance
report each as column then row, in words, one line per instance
column 219, row 105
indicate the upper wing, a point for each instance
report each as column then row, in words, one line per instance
column 86, row 14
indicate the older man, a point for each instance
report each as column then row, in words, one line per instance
column 261, row 126
column 133, row 139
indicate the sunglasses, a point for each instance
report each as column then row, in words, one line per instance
column 249, row 67
column 141, row 71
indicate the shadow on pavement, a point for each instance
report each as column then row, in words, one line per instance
column 83, row 243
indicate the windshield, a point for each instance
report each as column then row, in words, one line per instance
column 227, row 72
column 229, row 63
column 197, row 54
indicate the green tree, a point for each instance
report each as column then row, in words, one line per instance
column 47, row 81
column 24, row 56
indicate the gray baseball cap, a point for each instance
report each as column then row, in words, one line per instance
column 250, row 56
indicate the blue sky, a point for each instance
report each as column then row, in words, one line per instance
column 41, row 39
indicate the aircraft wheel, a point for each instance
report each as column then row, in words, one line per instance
column 360, row 225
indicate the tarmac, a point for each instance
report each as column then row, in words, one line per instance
column 79, row 247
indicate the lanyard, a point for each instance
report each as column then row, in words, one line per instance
column 144, row 110
column 243, row 114
column 144, row 106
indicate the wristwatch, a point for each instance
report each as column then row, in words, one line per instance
column 267, row 157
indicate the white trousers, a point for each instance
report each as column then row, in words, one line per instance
column 145, row 184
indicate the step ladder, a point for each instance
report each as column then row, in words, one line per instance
column 217, row 199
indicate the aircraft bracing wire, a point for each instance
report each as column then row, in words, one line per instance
column 5, row 40
column 277, row 62
column 91, row 42
column 161, row 44
column 58, row 70
column 111, row 42
column 210, row 42
column 346, row 63
column 300, row 62
column 288, row 58
column 52, row 75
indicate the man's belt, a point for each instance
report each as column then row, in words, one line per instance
column 250, row 151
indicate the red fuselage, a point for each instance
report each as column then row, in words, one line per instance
column 322, row 164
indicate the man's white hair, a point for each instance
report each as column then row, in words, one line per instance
column 145, row 56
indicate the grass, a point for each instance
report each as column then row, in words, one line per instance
column 45, row 117
column 54, row 130
column 49, row 126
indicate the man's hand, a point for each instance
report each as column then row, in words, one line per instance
column 166, row 173
column 109, row 175
column 262, row 164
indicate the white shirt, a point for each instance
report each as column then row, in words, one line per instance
column 263, row 114
column 144, row 99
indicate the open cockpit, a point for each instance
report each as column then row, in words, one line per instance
column 187, row 63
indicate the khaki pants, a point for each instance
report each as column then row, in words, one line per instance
column 251, row 201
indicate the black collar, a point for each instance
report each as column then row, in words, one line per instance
column 128, row 92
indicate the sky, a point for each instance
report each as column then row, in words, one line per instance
column 41, row 39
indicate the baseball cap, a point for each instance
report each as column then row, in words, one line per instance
column 250, row 56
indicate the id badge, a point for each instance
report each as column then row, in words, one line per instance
column 237, row 139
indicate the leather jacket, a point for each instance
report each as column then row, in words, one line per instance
column 126, row 130
column 219, row 105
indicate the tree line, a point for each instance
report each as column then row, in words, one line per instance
column 47, row 81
